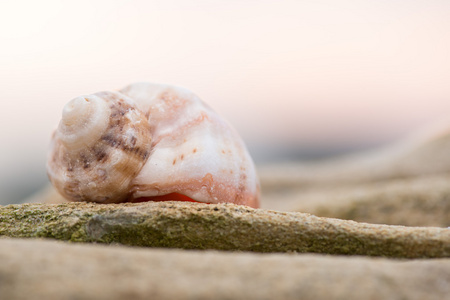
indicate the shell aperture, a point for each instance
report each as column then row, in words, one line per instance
column 149, row 141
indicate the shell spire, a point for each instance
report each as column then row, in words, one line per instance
column 101, row 144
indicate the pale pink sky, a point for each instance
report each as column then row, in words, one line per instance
column 302, row 74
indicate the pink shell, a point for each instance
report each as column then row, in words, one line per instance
column 190, row 150
column 194, row 151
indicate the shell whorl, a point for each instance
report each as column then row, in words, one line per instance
column 101, row 144
column 84, row 120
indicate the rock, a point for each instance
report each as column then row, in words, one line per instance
column 42, row 269
column 407, row 183
column 422, row 154
column 417, row 201
column 221, row 227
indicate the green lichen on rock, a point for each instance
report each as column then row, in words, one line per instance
column 220, row 226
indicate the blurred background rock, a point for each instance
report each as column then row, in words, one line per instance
column 299, row 80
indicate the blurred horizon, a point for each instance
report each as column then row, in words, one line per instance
column 297, row 79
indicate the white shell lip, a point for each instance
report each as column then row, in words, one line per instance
column 84, row 119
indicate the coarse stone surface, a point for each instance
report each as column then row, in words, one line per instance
column 405, row 183
column 43, row 269
column 418, row 201
column 219, row 226
column 422, row 154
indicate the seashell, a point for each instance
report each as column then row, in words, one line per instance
column 149, row 142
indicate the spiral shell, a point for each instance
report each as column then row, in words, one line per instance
column 149, row 142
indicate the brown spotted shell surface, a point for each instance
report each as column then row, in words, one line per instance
column 149, row 141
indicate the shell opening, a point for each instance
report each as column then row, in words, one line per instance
column 167, row 197
column 84, row 119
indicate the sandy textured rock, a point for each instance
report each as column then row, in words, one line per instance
column 407, row 183
column 419, row 201
column 424, row 153
column 221, row 226
column 37, row 269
